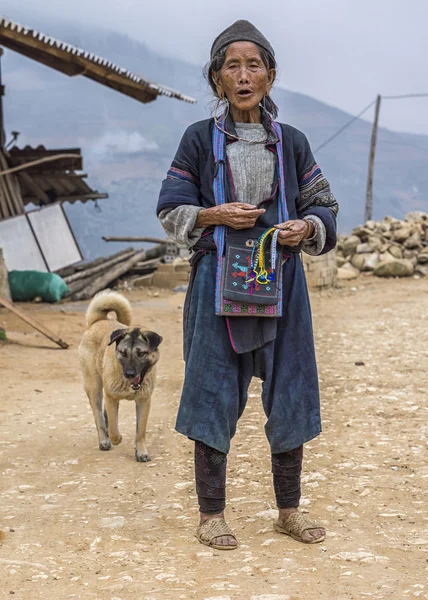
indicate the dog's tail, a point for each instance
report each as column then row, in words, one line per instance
column 105, row 302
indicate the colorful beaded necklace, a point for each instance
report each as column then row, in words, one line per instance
column 259, row 273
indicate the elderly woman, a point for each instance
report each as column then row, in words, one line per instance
column 246, row 196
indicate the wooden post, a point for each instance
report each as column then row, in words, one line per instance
column 148, row 240
column 368, row 213
column 2, row 132
column 32, row 321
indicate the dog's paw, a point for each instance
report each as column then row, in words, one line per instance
column 105, row 445
column 115, row 440
column 140, row 457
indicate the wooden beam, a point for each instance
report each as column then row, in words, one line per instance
column 99, row 268
column 148, row 240
column 31, row 321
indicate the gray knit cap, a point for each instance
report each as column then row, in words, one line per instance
column 241, row 31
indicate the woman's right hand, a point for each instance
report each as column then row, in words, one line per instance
column 236, row 215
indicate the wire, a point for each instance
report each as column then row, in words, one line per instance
column 339, row 131
column 404, row 96
column 345, row 126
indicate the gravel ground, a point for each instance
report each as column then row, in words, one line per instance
column 84, row 524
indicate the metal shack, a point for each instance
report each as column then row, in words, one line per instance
column 41, row 238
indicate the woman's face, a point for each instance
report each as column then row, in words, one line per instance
column 244, row 78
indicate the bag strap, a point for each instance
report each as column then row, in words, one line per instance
column 219, row 142
column 283, row 215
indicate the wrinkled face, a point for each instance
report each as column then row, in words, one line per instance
column 137, row 352
column 244, row 78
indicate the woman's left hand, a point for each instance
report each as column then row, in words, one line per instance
column 293, row 232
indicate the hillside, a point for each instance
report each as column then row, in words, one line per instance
column 128, row 146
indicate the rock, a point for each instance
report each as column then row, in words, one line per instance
column 347, row 272
column 423, row 256
column 365, row 262
column 411, row 255
column 371, row 261
column 372, row 245
column 401, row 231
column 180, row 288
column 413, row 242
column 350, row 245
column 358, row 261
column 359, row 557
column 271, row 597
column 362, row 233
column 370, row 225
column 396, row 251
column 268, row 515
column 415, row 216
column 386, row 257
column 396, row 268
column 340, row 261
column 422, row 270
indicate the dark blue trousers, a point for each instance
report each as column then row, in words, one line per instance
column 217, row 379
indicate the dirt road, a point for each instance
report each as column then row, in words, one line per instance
column 85, row 524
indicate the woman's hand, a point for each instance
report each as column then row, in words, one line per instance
column 293, row 232
column 233, row 214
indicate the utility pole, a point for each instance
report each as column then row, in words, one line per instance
column 369, row 193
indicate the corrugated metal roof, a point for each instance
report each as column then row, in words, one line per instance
column 51, row 182
column 74, row 61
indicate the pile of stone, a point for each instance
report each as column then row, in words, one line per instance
column 388, row 248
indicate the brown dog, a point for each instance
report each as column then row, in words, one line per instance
column 121, row 361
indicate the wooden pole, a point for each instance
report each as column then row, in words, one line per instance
column 148, row 240
column 99, row 268
column 84, row 266
column 31, row 321
column 368, row 213
column 100, row 283
column 2, row 132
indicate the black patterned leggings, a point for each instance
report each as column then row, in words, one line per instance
column 210, row 474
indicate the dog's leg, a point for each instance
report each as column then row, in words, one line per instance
column 142, row 410
column 112, row 410
column 94, row 391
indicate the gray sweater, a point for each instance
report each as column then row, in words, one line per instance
column 253, row 170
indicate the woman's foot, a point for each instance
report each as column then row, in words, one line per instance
column 298, row 527
column 206, row 535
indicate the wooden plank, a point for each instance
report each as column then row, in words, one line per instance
column 31, row 321
column 98, row 269
column 66, row 271
column 100, row 283
column 148, row 240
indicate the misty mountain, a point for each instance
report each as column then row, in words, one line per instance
column 128, row 146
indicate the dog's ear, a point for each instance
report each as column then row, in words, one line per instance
column 153, row 339
column 117, row 336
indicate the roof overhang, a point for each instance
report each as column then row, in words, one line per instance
column 73, row 61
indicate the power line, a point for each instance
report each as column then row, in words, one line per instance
column 339, row 131
column 345, row 126
column 404, row 96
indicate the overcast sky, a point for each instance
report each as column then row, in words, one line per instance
column 343, row 52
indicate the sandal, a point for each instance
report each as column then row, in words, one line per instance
column 212, row 529
column 295, row 525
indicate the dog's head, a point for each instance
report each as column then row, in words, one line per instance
column 137, row 352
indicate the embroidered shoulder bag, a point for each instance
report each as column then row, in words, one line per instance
column 249, row 267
